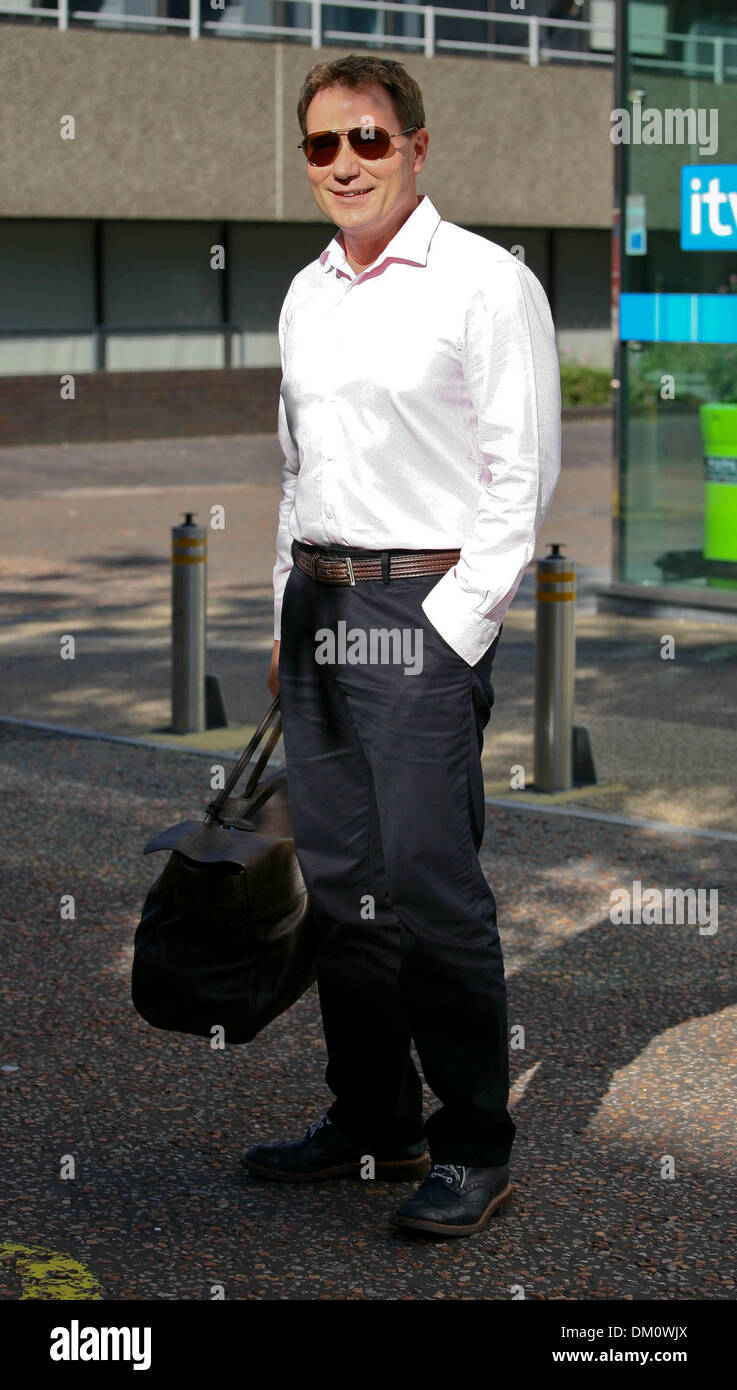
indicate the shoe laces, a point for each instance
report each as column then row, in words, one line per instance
column 450, row 1173
column 317, row 1125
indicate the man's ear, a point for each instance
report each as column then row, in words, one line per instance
column 421, row 152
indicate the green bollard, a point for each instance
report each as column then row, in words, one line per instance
column 719, row 433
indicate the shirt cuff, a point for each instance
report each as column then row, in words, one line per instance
column 454, row 612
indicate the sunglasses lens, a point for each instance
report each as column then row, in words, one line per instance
column 370, row 142
column 322, row 149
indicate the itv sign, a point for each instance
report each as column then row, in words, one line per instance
column 709, row 207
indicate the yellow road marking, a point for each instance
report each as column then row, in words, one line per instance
column 48, row 1274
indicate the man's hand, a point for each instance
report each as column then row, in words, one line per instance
column 272, row 680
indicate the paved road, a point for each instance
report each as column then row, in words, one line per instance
column 84, row 548
column 627, row 1066
column 623, row 1091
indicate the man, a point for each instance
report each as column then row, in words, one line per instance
column 419, row 417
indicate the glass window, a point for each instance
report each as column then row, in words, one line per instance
column 678, row 306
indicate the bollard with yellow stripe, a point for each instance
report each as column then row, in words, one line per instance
column 555, row 667
column 550, row 588
column 186, row 550
column 188, row 626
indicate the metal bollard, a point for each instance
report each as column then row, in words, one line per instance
column 188, row 626
column 555, row 671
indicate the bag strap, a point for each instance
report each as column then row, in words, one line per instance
column 272, row 717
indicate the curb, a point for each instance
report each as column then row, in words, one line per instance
column 506, row 803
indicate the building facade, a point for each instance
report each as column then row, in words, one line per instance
column 154, row 205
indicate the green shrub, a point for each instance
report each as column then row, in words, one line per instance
column 702, row 372
column 585, row 385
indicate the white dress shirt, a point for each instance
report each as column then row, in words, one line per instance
column 420, row 408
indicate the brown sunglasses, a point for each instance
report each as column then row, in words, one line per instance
column 369, row 142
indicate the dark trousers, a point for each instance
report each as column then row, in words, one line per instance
column 387, row 803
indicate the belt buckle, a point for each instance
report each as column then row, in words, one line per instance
column 351, row 575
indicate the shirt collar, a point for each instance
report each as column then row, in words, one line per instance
column 410, row 243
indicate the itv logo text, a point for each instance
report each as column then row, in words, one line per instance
column 709, row 207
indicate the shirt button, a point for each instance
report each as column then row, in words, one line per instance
column 329, row 511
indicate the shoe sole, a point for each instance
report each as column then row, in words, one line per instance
column 402, row 1170
column 497, row 1203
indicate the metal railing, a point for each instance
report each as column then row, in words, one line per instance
column 534, row 39
column 429, row 18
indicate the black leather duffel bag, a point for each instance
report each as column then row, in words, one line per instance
column 226, row 938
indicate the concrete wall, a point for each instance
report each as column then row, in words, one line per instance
column 167, row 127
column 170, row 131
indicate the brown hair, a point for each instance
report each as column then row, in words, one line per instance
column 358, row 71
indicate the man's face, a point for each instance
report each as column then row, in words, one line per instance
column 390, row 183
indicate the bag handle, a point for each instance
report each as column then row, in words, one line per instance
column 272, row 716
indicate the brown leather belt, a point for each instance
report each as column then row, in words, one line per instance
column 319, row 564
